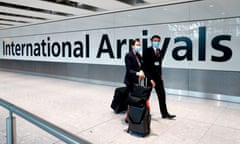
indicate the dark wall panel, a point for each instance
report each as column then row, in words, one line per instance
column 223, row 82
column 205, row 81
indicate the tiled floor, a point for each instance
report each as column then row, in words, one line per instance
column 84, row 110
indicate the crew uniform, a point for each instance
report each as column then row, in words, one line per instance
column 133, row 63
column 152, row 66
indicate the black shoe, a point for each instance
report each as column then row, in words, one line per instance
column 168, row 116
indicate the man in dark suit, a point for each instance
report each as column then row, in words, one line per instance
column 133, row 63
column 152, row 66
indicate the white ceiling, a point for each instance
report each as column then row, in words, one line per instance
column 21, row 12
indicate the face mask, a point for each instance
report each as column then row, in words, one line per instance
column 138, row 49
column 155, row 44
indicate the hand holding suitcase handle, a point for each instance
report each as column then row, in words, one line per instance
column 140, row 74
column 143, row 82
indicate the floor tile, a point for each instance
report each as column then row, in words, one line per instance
column 229, row 118
column 184, row 132
column 221, row 135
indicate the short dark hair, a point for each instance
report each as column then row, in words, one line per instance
column 134, row 41
column 155, row 36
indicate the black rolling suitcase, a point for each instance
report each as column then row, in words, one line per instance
column 139, row 120
column 120, row 100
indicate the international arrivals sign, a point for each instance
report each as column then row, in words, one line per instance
column 212, row 46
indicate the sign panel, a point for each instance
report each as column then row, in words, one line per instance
column 212, row 45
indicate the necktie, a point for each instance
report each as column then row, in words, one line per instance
column 158, row 53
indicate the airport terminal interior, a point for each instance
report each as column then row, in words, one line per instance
column 62, row 60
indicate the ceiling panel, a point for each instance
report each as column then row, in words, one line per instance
column 9, row 22
column 106, row 4
column 3, row 26
column 36, row 11
column 49, row 6
column 166, row 1
column 21, row 19
column 29, row 13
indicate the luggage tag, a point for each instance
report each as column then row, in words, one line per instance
column 156, row 63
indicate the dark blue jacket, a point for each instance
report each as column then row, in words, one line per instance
column 132, row 67
column 152, row 63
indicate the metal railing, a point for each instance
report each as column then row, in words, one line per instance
column 41, row 123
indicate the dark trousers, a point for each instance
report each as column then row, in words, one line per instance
column 161, row 97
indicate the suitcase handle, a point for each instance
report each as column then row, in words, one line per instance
column 143, row 82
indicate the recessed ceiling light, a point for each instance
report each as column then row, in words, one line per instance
column 165, row 9
column 211, row 6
